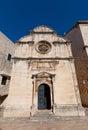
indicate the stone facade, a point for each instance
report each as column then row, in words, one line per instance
column 6, row 52
column 43, row 77
column 79, row 37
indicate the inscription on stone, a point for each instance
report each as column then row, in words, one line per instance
column 43, row 65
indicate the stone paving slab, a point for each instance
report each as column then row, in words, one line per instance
column 59, row 124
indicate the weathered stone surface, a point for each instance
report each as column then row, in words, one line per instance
column 43, row 60
column 6, row 47
column 69, row 123
column 79, row 37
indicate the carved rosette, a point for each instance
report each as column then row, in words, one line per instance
column 43, row 47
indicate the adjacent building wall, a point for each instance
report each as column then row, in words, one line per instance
column 79, row 37
column 7, row 48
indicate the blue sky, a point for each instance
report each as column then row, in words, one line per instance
column 17, row 17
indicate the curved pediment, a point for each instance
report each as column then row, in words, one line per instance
column 26, row 38
column 60, row 39
column 44, row 29
column 29, row 38
column 43, row 74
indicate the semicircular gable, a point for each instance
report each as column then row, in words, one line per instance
column 26, row 38
column 43, row 28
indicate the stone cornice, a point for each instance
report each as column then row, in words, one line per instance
column 86, row 46
column 43, row 74
column 35, row 32
column 22, row 42
column 43, row 59
column 83, row 22
column 76, row 25
column 61, row 42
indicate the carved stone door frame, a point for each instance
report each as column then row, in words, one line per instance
column 38, row 79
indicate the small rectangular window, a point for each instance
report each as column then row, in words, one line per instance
column 9, row 57
column 4, row 79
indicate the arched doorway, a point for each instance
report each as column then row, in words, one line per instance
column 44, row 97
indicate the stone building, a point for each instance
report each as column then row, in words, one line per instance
column 43, row 77
column 6, row 52
column 79, row 37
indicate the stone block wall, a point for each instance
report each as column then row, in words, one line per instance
column 79, row 37
column 7, row 47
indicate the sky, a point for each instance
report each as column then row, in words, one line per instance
column 18, row 17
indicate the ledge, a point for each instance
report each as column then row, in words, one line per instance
column 28, row 42
column 86, row 46
column 35, row 32
column 34, row 58
column 58, row 42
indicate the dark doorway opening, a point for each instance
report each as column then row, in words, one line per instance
column 44, row 97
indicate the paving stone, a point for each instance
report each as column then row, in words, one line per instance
column 75, row 123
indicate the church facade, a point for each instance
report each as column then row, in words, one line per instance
column 43, row 77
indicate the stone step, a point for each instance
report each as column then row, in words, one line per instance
column 42, row 119
column 43, row 115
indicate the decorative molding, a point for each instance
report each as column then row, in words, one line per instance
column 43, row 59
column 43, row 75
column 28, row 42
column 43, row 47
column 43, row 78
column 59, row 42
column 35, row 32
column 44, row 65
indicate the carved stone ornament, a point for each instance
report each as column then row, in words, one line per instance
column 43, row 47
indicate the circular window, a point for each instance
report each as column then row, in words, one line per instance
column 43, row 47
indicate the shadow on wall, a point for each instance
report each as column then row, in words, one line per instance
column 2, row 98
